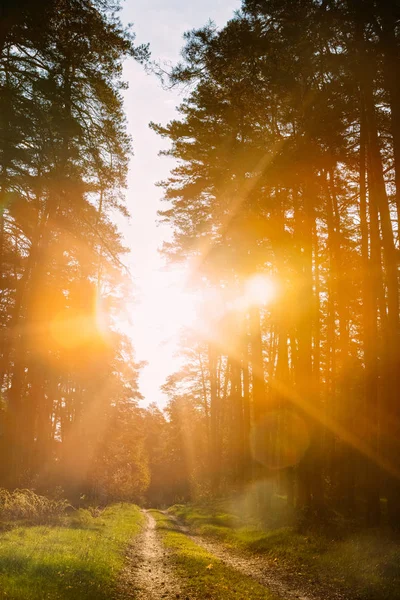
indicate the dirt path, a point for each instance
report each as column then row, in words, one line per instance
column 147, row 575
column 279, row 580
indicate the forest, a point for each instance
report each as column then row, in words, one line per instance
column 284, row 203
column 288, row 156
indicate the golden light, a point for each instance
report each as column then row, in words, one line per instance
column 166, row 305
column 260, row 290
column 70, row 333
column 276, row 447
column 77, row 330
column 162, row 309
column 176, row 309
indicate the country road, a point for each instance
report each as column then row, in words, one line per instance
column 149, row 573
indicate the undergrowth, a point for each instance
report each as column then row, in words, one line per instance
column 362, row 563
column 26, row 505
column 78, row 559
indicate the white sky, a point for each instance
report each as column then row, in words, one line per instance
column 162, row 305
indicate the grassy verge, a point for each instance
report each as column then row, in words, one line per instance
column 203, row 576
column 79, row 559
column 364, row 563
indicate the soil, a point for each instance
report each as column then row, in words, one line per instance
column 147, row 574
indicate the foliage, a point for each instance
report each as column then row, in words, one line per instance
column 287, row 171
column 67, row 376
column 25, row 504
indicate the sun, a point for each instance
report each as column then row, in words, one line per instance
column 260, row 290
column 165, row 306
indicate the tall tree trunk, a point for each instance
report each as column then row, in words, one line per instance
column 246, row 404
column 308, row 467
column 215, row 459
column 259, row 412
column 391, row 60
column 344, row 382
column 380, row 213
column 370, row 334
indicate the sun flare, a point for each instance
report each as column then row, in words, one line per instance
column 260, row 290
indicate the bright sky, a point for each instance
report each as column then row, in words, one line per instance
column 163, row 306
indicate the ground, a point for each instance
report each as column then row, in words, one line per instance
column 147, row 573
column 75, row 557
column 189, row 553
column 166, row 561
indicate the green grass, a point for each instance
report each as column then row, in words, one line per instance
column 203, row 576
column 367, row 563
column 77, row 560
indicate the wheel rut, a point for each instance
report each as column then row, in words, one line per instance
column 147, row 574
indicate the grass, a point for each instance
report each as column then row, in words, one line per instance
column 79, row 559
column 365, row 563
column 202, row 575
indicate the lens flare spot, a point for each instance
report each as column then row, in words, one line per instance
column 279, row 440
column 260, row 289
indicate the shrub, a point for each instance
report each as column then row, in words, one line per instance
column 82, row 519
column 25, row 504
